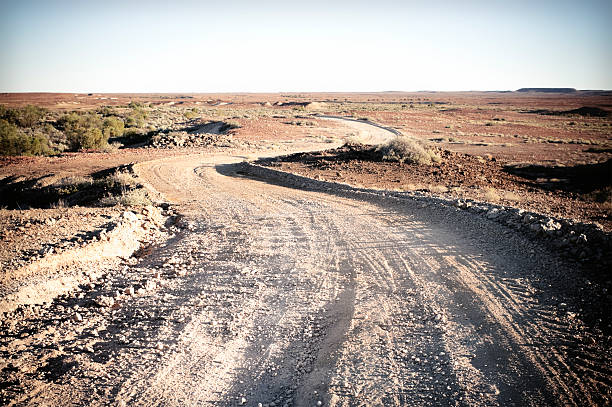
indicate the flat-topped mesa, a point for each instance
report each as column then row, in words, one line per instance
column 548, row 90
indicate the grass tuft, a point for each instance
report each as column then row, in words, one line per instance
column 407, row 150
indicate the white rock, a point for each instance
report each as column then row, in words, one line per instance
column 149, row 285
column 129, row 216
column 104, row 301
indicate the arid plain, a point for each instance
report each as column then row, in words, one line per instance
column 337, row 249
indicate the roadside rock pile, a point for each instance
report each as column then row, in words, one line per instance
column 581, row 241
column 175, row 139
column 212, row 133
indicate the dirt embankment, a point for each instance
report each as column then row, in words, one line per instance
column 59, row 272
column 581, row 192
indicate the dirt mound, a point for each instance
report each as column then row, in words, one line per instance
column 316, row 105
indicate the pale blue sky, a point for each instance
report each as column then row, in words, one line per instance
column 259, row 46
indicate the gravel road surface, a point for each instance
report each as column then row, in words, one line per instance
column 279, row 296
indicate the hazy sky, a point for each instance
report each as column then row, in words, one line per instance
column 254, row 46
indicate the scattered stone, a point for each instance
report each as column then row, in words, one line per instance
column 105, row 302
column 150, row 285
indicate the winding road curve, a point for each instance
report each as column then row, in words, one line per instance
column 294, row 297
column 310, row 296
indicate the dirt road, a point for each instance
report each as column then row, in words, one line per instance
column 283, row 296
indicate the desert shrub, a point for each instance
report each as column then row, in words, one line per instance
column 8, row 114
column 407, row 150
column 14, row 142
column 136, row 118
column 111, row 147
column 75, row 180
column 113, row 127
column 107, row 111
column 83, row 131
column 122, row 179
column 353, row 140
column 133, row 136
column 31, row 115
column 7, row 130
column 192, row 113
column 88, row 139
column 133, row 197
column 57, row 139
column 28, row 116
column 135, row 105
column 134, row 121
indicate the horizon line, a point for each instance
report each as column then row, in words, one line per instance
column 526, row 89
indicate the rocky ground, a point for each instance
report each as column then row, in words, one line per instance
column 578, row 192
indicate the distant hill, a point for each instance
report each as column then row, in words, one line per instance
column 548, row 90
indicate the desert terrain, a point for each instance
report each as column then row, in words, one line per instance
column 295, row 249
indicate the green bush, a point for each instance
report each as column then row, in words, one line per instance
column 135, row 105
column 31, row 116
column 83, row 131
column 107, row 111
column 57, row 139
column 15, row 142
column 113, row 127
column 134, row 120
column 88, row 139
column 28, row 116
